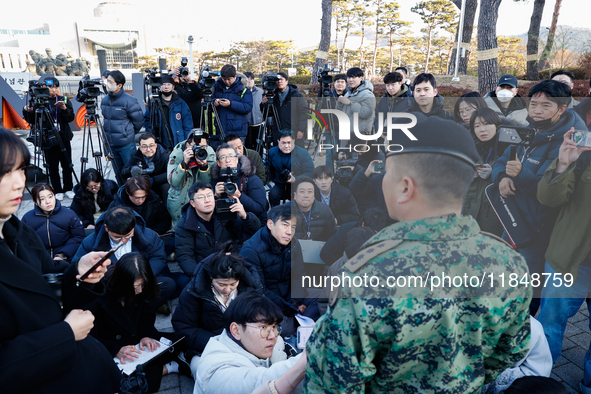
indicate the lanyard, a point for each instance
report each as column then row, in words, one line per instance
column 489, row 153
column 308, row 220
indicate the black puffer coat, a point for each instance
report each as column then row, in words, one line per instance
column 321, row 225
column 85, row 214
column 153, row 210
column 342, row 203
column 60, row 231
column 198, row 316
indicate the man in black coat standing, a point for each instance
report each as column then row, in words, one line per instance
column 201, row 229
column 338, row 198
column 284, row 101
column 151, row 160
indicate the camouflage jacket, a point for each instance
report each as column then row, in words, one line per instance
column 414, row 340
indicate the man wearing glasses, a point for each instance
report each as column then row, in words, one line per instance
column 288, row 162
column 150, row 160
column 236, row 142
column 200, row 231
column 233, row 101
column 249, row 353
column 122, row 224
column 234, row 176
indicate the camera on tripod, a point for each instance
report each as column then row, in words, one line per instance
column 38, row 91
column 325, row 79
column 207, row 80
column 184, row 70
column 269, row 82
column 89, row 88
column 153, row 80
column 228, row 174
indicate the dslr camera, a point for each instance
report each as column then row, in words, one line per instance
column 184, row 70
column 284, row 175
column 139, row 170
column 200, row 153
column 222, row 209
column 228, row 174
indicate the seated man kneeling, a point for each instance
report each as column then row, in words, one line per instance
column 249, row 352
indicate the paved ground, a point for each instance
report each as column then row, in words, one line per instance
column 568, row 369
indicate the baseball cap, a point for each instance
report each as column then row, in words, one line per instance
column 508, row 80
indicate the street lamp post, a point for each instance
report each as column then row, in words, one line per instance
column 456, row 78
column 191, row 68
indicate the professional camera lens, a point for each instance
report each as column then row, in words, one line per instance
column 200, row 152
column 284, row 176
column 229, row 188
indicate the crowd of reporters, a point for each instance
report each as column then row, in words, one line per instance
column 208, row 208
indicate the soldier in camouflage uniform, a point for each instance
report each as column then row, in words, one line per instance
column 409, row 339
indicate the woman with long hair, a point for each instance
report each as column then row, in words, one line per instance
column 123, row 318
column 42, row 350
column 466, row 105
column 93, row 197
column 199, row 314
column 58, row 227
column 484, row 124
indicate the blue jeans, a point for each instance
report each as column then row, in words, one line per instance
column 559, row 303
column 122, row 155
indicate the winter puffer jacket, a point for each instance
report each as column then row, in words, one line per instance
column 321, row 225
column 516, row 113
column 437, row 109
column 60, row 231
column 535, row 160
column 233, row 119
column 198, row 316
column 160, row 160
column 180, row 121
column 363, row 102
column 254, row 196
column 123, row 118
column 342, row 203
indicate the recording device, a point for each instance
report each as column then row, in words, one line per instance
column 516, row 135
column 284, row 175
column 269, row 82
column 207, row 80
column 184, row 70
column 380, row 167
column 582, row 138
column 200, row 152
column 38, row 91
column 228, row 174
column 222, row 209
column 325, row 79
column 344, row 171
column 89, row 88
column 138, row 170
column 98, row 263
column 304, row 333
column 153, row 80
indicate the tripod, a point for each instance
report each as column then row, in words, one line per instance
column 210, row 113
column 103, row 146
column 156, row 113
column 44, row 139
column 265, row 137
column 325, row 102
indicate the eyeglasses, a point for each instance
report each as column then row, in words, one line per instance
column 151, row 146
column 119, row 239
column 226, row 158
column 202, row 197
column 91, row 188
column 266, row 330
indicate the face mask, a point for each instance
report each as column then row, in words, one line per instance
column 111, row 88
column 166, row 94
column 504, row 95
column 541, row 124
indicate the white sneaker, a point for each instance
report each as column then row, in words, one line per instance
column 59, row 196
column 70, row 194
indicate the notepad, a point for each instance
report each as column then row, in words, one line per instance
column 129, row 367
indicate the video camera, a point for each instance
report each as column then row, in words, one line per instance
column 269, row 82
column 184, row 70
column 89, row 88
column 153, row 80
column 325, row 79
column 207, row 80
column 38, row 90
column 344, row 173
column 228, row 174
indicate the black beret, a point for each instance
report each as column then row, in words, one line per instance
column 437, row 135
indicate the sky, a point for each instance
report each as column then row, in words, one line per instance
column 240, row 20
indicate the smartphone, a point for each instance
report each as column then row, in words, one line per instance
column 304, row 333
column 582, row 138
column 380, row 167
column 516, row 135
column 61, row 102
column 98, row 263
